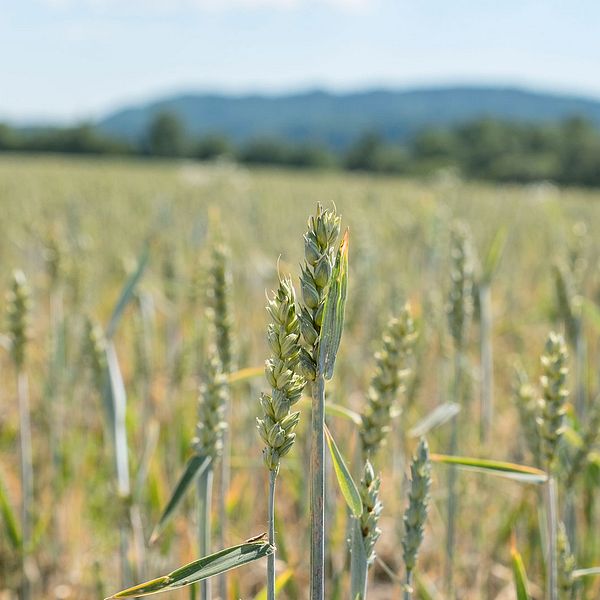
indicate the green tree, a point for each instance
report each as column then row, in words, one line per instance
column 166, row 136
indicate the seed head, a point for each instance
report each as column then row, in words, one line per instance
column 372, row 507
column 552, row 404
column 460, row 299
column 219, row 294
column 418, row 499
column 211, row 409
column 277, row 425
column 566, row 565
column 391, row 371
column 95, row 352
column 319, row 252
column 568, row 301
column 18, row 317
column 525, row 399
column 54, row 256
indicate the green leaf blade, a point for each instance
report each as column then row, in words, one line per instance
column 520, row 576
column 494, row 467
column 194, row 468
column 9, row 518
column 127, row 292
column 347, row 486
column 203, row 568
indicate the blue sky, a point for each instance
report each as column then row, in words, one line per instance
column 75, row 59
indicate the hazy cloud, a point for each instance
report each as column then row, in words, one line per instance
column 163, row 6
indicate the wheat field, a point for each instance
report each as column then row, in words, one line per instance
column 78, row 229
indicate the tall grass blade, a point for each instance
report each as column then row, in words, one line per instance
column 347, row 486
column 337, row 410
column 438, row 416
column 127, row 292
column 196, row 466
column 9, row 519
column 198, row 570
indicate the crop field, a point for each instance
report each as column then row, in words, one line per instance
column 133, row 345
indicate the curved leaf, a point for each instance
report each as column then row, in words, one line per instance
column 200, row 569
column 196, row 465
column 337, row 410
column 494, row 467
column 344, row 479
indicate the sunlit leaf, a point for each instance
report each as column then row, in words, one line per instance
column 280, row 582
column 519, row 574
column 494, row 467
column 245, row 374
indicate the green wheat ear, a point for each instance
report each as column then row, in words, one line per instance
column 211, row 423
column 372, row 507
column 319, row 252
column 18, row 317
column 460, row 299
column 277, row 425
column 416, row 513
column 391, row 371
column 552, row 404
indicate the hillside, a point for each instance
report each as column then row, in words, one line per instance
column 337, row 119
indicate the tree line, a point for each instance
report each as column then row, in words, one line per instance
column 567, row 152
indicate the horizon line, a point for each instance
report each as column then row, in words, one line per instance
column 151, row 98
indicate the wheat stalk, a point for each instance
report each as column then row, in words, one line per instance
column 18, row 326
column 278, row 423
column 416, row 513
column 459, row 311
column 319, row 251
column 552, row 408
column 208, row 442
column 219, row 298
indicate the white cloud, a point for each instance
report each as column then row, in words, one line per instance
column 163, row 6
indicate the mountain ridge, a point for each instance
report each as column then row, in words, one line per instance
column 336, row 119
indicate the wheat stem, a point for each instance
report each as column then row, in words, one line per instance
column 271, row 532
column 552, row 527
column 205, row 485
column 317, row 490
column 26, row 477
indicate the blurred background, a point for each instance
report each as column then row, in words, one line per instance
column 502, row 91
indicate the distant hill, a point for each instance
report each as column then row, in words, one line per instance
column 337, row 119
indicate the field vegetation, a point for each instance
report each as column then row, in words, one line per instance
column 460, row 446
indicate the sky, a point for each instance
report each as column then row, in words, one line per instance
column 70, row 60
